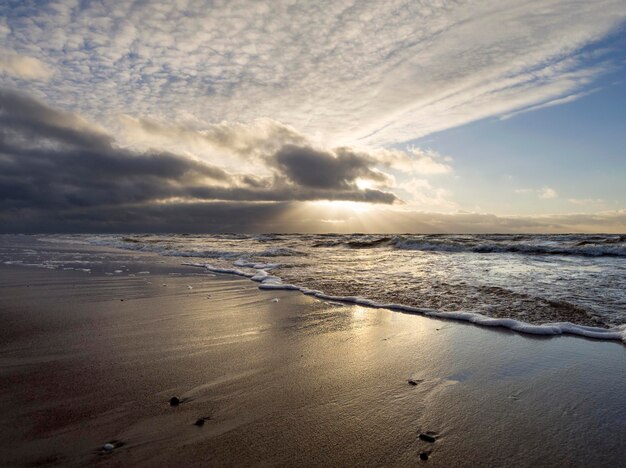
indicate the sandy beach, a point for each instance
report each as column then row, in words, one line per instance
column 317, row 233
column 280, row 378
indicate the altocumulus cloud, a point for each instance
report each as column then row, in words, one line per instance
column 363, row 71
column 53, row 161
column 21, row 66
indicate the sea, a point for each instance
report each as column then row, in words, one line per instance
column 541, row 284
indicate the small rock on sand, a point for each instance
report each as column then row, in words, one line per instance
column 174, row 401
column 199, row 422
column 423, row 456
column 412, row 382
column 112, row 445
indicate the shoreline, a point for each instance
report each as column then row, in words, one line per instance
column 284, row 378
column 546, row 329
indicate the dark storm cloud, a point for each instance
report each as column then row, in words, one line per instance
column 55, row 161
column 52, row 160
column 179, row 217
column 323, row 170
column 33, row 119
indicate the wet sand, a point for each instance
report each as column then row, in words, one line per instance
column 87, row 359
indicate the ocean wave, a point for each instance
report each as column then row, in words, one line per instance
column 279, row 252
column 369, row 243
column 172, row 248
column 331, row 243
column 589, row 249
column 161, row 247
column 526, row 244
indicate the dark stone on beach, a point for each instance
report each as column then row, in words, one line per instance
column 199, row 422
column 423, row 456
column 122, row 300
column 412, row 382
column 174, row 401
column 427, row 438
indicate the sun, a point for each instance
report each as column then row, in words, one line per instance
column 341, row 205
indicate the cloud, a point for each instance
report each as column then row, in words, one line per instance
column 430, row 162
column 586, row 201
column 252, row 140
column 354, row 72
column 323, row 169
column 198, row 217
column 235, row 144
column 28, row 68
column 60, row 172
column 424, row 197
column 56, row 161
column 408, row 219
column 552, row 103
column 548, row 193
column 545, row 192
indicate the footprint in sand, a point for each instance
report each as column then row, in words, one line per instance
column 414, row 382
column 200, row 421
column 428, row 436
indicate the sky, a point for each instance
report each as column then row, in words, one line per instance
column 318, row 116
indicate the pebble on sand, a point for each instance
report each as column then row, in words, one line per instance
column 108, row 447
column 199, row 422
column 423, row 456
column 189, row 286
column 174, row 401
column 427, row 438
column 412, row 382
